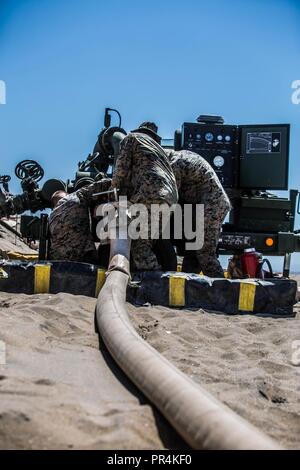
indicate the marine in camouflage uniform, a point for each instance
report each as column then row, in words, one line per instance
column 143, row 173
column 198, row 183
column 70, row 224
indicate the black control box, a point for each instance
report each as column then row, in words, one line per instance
column 264, row 156
column 243, row 156
column 217, row 144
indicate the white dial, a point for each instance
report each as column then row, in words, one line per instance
column 218, row 161
column 209, row 137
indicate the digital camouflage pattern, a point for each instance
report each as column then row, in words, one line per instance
column 143, row 256
column 143, row 173
column 198, row 183
column 70, row 225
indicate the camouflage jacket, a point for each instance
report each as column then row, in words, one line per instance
column 70, row 224
column 196, row 180
column 143, row 172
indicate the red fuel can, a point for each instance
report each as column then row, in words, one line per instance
column 250, row 262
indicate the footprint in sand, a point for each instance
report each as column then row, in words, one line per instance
column 272, row 393
column 274, row 367
column 44, row 382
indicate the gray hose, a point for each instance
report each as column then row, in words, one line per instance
column 201, row 420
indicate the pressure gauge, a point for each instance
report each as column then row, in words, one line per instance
column 218, row 161
column 209, row 136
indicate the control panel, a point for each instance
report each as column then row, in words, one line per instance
column 216, row 143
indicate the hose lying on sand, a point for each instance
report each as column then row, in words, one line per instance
column 201, row 420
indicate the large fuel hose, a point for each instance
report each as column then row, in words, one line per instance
column 201, row 420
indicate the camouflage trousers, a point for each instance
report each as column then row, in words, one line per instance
column 143, row 256
column 206, row 259
column 142, row 250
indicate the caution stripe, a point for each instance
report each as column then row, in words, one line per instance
column 15, row 255
column 247, row 296
column 177, row 291
column 100, row 281
column 42, row 273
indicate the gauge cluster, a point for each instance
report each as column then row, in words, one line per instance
column 248, row 157
column 216, row 143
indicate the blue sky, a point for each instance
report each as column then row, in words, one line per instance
column 64, row 61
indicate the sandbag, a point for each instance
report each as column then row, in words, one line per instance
column 52, row 277
column 180, row 290
column 273, row 296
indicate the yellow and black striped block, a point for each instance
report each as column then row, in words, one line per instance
column 180, row 290
column 173, row 289
column 52, row 277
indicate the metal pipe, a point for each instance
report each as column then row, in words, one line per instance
column 287, row 265
column 11, row 229
column 201, row 420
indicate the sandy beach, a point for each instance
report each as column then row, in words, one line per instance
column 11, row 242
column 60, row 388
column 244, row 361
